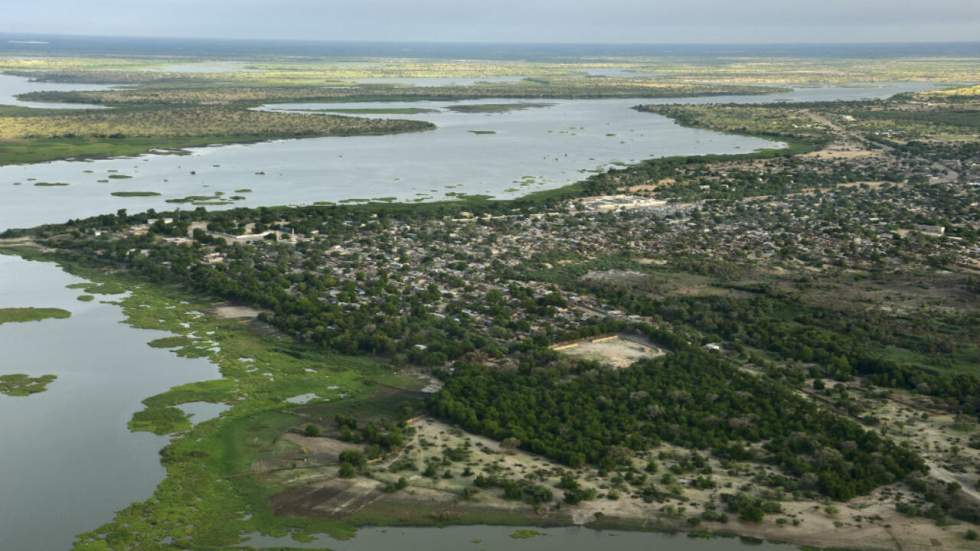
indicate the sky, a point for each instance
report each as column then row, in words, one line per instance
column 534, row 21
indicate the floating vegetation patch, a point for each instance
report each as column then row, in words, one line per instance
column 373, row 111
column 101, row 288
column 135, row 194
column 171, row 342
column 496, row 107
column 526, row 534
column 21, row 315
column 51, row 184
column 19, row 384
column 205, row 200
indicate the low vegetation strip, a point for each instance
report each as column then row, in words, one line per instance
column 496, row 107
column 373, row 111
column 107, row 133
column 135, row 194
column 196, row 121
column 21, row 315
column 569, row 88
column 769, row 121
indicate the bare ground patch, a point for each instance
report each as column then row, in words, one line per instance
column 234, row 311
column 619, row 351
column 331, row 498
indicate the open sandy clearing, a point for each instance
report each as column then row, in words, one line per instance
column 619, row 351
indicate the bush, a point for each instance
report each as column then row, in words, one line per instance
column 354, row 458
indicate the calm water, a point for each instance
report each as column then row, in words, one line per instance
column 35, row 44
column 498, row 538
column 67, row 461
column 555, row 145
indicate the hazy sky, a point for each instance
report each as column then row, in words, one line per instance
column 635, row 21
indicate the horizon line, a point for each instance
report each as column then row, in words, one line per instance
column 486, row 42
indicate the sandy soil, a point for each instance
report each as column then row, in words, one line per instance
column 842, row 152
column 868, row 522
column 231, row 311
column 617, row 351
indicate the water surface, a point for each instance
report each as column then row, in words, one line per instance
column 67, row 460
column 555, row 145
column 499, row 538
column 528, row 150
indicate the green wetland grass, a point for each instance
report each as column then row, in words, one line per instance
column 22, row 315
column 207, row 497
column 19, row 384
column 135, row 194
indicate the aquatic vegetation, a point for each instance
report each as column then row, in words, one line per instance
column 22, row 315
column 526, row 534
column 373, row 111
column 205, row 200
column 205, row 498
column 19, row 384
column 105, row 287
column 171, row 342
column 135, row 194
column 496, row 107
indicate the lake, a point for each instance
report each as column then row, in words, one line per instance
column 499, row 538
column 68, row 461
column 553, row 145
